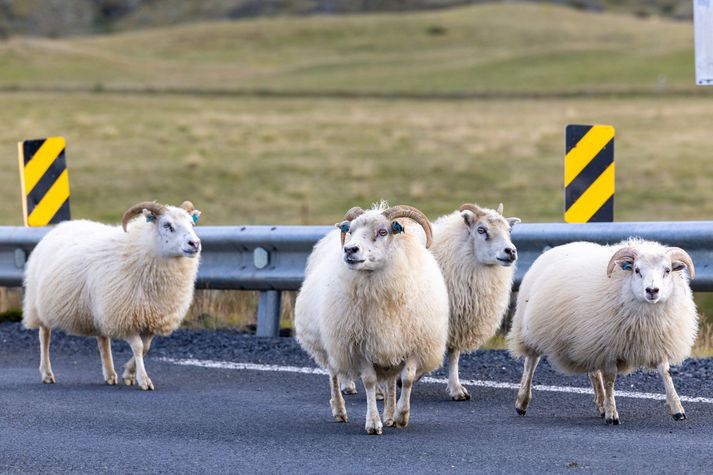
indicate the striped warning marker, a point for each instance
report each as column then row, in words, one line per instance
column 589, row 173
column 44, row 181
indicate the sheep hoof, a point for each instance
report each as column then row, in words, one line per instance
column 341, row 418
column 679, row 416
column 111, row 380
column 601, row 414
column 461, row 397
column 349, row 391
column 401, row 420
column 148, row 386
column 459, row 394
column 613, row 421
column 374, row 428
column 48, row 379
column 522, row 412
column 129, row 380
column 389, row 422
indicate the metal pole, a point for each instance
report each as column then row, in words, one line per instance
column 268, row 313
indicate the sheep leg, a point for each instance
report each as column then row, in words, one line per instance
column 45, row 365
column 380, row 392
column 390, row 402
column 611, row 416
column 137, row 347
column 455, row 389
column 339, row 410
column 672, row 399
column 524, row 394
column 373, row 421
column 595, row 377
column 129, row 375
column 403, row 408
column 104, row 344
column 347, row 386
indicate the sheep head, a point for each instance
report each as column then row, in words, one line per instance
column 372, row 234
column 173, row 227
column 650, row 269
column 488, row 232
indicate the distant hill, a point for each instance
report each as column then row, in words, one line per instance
column 53, row 18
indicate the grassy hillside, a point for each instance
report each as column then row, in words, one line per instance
column 491, row 49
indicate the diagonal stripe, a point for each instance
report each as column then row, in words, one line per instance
column 53, row 200
column 43, row 186
column 585, row 150
column 591, row 172
column 42, row 160
column 592, row 199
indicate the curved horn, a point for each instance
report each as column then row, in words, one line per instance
column 188, row 206
column 153, row 206
column 678, row 254
column 620, row 255
column 474, row 208
column 351, row 215
column 404, row 211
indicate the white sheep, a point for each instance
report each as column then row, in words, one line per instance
column 605, row 310
column 375, row 307
column 91, row 279
column 476, row 256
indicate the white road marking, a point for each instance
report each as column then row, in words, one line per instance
column 427, row 379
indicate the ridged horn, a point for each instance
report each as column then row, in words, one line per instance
column 473, row 208
column 351, row 215
column 678, row 254
column 188, row 206
column 153, row 206
column 620, row 255
column 405, row 211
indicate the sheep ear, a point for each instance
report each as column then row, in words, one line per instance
column 626, row 265
column 343, row 226
column 500, row 209
column 677, row 266
column 195, row 216
column 513, row 221
column 150, row 217
column 468, row 218
column 396, row 227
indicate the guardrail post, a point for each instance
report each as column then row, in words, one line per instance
column 268, row 313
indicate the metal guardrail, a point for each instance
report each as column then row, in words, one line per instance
column 272, row 258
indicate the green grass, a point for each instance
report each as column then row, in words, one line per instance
column 493, row 48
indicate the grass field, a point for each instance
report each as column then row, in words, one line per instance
column 256, row 159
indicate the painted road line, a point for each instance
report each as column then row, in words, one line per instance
column 468, row 382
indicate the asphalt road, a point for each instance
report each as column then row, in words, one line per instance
column 204, row 420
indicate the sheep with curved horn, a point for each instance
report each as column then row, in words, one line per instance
column 130, row 282
column 375, row 307
column 606, row 310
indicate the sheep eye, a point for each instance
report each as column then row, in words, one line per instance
column 667, row 271
column 638, row 272
column 382, row 232
column 169, row 227
column 482, row 230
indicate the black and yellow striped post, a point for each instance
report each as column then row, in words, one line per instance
column 589, row 173
column 44, row 182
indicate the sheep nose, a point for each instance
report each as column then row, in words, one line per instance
column 511, row 252
column 349, row 250
column 652, row 291
column 195, row 243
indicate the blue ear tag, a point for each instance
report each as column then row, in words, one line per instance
column 150, row 218
column 396, row 226
column 344, row 228
column 195, row 218
column 626, row 265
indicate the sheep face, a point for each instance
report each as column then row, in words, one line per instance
column 489, row 235
column 370, row 238
column 175, row 234
column 650, row 276
column 652, row 269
